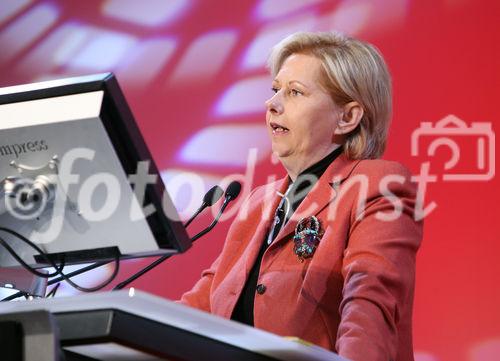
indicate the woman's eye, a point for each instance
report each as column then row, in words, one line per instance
column 275, row 90
column 295, row 92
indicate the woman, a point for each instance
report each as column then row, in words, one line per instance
column 327, row 253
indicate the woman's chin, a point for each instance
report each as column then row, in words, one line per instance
column 280, row 152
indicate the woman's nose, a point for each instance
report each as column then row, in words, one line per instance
column 274, row 105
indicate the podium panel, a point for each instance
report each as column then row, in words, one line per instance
column 128, row 325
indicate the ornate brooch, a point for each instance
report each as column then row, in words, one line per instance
column 307, row 236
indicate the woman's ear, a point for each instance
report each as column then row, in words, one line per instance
column 351, row 116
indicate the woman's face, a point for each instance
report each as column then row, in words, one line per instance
column 301, row 116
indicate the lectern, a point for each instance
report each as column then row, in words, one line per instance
column 128, row 325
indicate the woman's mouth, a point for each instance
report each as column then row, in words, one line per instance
column 278, row 129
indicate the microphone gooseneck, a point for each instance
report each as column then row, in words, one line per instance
column 210, row 198
column 232, row 191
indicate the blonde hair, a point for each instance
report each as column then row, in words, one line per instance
column 353, row 71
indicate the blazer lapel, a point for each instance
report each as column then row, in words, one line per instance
column 320, row 196
column 265, row 216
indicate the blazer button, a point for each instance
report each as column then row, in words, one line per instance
column 261, row 289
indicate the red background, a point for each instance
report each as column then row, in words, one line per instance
column 443, row 55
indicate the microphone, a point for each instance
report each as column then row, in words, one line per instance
column 210, row 198
column 232, row 191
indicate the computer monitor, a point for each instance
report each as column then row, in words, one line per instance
column 76, row 177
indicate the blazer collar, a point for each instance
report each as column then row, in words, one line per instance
column 320, row 196
column 264, row 216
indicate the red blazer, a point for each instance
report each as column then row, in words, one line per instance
column 354, row 296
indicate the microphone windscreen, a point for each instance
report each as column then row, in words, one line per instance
column 233, row 190
column 213, row 195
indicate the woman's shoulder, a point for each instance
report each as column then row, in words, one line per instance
column 264, row 190
column 381, row 168
column 382, row 176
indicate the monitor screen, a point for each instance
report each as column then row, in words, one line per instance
column 76, row 177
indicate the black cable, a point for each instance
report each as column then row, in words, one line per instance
column 99, row 287
column 59, row 279
column 53, row 291
column 14, row 296
column 25, row 265
column 78, row 271
column 36, row 248
column 52, row 263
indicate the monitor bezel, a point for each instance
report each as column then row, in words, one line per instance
column 130, row 147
